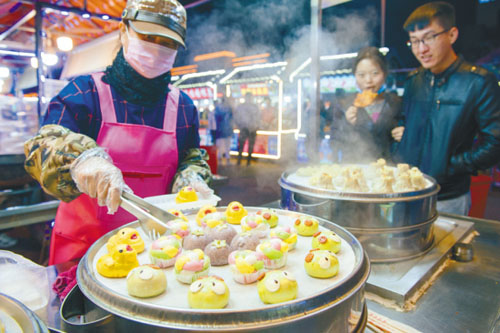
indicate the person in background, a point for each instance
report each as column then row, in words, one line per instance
column 248, row 122
column 212, row 125
column 325, row 117
column 121, row 129
column 447, row 103
column 373, row 113
column 224, row 133
column 269, row 114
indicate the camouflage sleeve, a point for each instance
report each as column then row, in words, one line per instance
column 194, row 163
column 49, row 155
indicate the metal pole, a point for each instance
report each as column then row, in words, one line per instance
column 382, row 22
column 313, row 135
column 38, row 53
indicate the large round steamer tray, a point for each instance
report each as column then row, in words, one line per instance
column 300, row 184
column 320, row 304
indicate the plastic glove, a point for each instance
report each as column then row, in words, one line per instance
column 191, row 178
column 94, row 174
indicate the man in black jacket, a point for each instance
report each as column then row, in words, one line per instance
column 451, row 109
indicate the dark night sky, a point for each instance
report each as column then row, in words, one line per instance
column 281, row 28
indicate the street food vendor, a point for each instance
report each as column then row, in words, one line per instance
column 126, row 128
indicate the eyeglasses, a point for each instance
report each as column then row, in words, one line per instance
column 427, row 40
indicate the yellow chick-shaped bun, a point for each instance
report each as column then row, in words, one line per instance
column 186, row 194
column 178, row 213
column 321, row 264
column 208, row 292
column 128, row 236
column 277, row 287
column 270, row 216
column 306, row 225
column 146, row 281
column 235, row 212
column 326, row 240
column 204, row 211
column 118, row 263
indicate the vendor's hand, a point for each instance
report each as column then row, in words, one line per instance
column 99, row 178
column 190, row 178
column 201, row 187
column 351, row 115
column 397, row 133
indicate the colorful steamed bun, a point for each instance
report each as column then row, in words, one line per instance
column 222, row 232
column 306, row 225
column 128, row 236
column 118, row 263
column 235, row 212
column 217, row 251
column 321, row 264
column 270, row 216
column 326, row 240
column 165, row 250
column 212, row 220
column 277, row 287
column 245, row 241
column 146, row 281
column 255, row 224
column 274, row 253
column 191, row 265
column 205, row 210
column 186, row 194
column 179, row 227
column 198, row 239
column 178, row 213
column 208, row 292
column 246, row 266
column 286, row 234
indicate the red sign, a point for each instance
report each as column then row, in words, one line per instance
column 199, row 93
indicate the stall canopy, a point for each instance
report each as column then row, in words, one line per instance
column 80, row 20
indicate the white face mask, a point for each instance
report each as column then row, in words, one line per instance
column 149, row 59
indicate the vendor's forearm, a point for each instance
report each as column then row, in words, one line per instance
column 49, row 155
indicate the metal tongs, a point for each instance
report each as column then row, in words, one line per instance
column 151, row 218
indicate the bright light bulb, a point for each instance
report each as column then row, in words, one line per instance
column 86, row 15
column 4, row 72
column 50, row 59
column 34, row 62
column 64, row 43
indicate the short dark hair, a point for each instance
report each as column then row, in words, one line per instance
column 442, row 12
column 373, row 54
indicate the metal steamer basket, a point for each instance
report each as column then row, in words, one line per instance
column 392, row 227
column 338, row 308
column 27, row 320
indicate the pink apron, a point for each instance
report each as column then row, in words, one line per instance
column 148, row 159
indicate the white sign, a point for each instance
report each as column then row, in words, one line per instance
column 330, row 3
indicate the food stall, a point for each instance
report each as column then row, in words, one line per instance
column 202, row 88
column 409, row 267
column 265, row 83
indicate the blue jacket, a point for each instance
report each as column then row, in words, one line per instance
column 224, row 121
